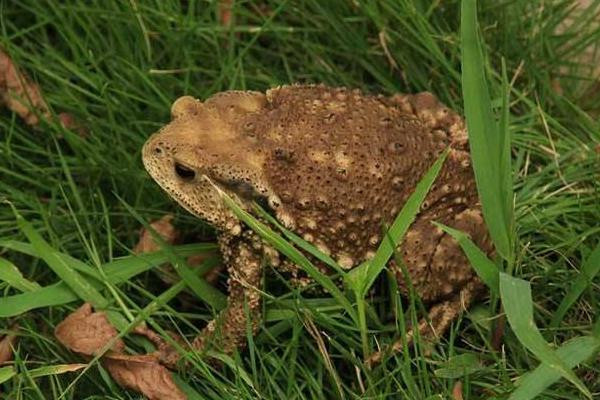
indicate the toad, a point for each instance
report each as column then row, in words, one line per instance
column 335, row 166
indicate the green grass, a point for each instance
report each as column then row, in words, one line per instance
column 117, row 68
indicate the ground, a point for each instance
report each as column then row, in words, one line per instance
column 115, row 67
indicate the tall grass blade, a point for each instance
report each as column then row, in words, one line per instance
column 186, row 388
column 120, row 269
column 459, row 366
column 488, row 143
column 52, row 295
column 505, row 168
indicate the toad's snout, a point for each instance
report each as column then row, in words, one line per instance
column 155, row 148
column 159, row 154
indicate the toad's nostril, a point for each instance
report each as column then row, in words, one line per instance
column 157, row 151
column 183, row 172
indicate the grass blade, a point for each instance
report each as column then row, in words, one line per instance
column 121, row 269
column 516, row 299
column 7, row 373
column 72, row 278
column 459, row 366
column 483, row 266
column 52, row 295
column 301, row 243
column 400, row 225
column 505, row 168
column 116, row 272
column 589, row 269
column 572, row 353
column 55, row 370
column 202, row 289
column 10, row 274
column 487, row 142
column 288, row 250
column 186, row 388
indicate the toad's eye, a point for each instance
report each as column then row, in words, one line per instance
column 183, row 172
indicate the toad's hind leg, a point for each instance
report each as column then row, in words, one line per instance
column 228, row 331
column 445, row 280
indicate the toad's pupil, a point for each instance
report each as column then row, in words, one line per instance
column 184, row 172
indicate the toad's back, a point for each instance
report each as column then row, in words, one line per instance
column 343, row 163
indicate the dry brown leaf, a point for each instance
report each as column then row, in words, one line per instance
column 210, row 276
column 457, row 391
column 69, row 122
column 22, row 96
column 147, row 244
column 164, row 227
column 7, row 343
column 87, row 332
column 144, row 374
column 225, row 12
column 19, row 94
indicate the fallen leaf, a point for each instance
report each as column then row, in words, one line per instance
column 19, row 94
column 457, row 391
column 144, row 374
column 164, row 227
column 211, row 276
column 69, row 122
column 87, row 332
column 7, row 343
column 225, row 15
column 22, row 96
column 147, row 244
column 557, row 86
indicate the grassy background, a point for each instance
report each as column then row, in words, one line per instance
column 117, row 66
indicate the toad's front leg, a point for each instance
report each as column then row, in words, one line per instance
column 228, row 331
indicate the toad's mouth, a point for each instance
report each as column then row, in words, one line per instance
column 196, row 191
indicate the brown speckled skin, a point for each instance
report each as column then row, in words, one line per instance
column 334, row 165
